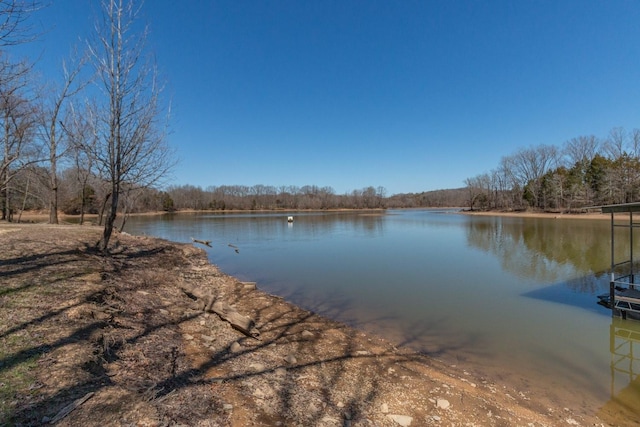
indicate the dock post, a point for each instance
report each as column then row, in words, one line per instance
column 631, row 278
column 612, row 283
column 612, row 296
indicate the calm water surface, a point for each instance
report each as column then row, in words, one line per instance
column 512, row 299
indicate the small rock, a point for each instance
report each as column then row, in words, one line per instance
column 227, row 407
column 307, row 335
column 187, row 337
column 46, row 420
column 442, row 404
column 572, row 422
column 235, row 347
column 401, row 420
column 202, row 323
column 163, row 311
column 291, row 359
column 257, row 367
column 207, row 338
column 384, row 408
column 281, row 372
column 362, row 353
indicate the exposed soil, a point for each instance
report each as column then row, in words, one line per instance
column 120, row 332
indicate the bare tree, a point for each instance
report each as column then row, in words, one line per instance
column 579, row 153
column 616, row 143
column 581, row 149
column 82, row 142
column 481, row 191
column 635, row 143
column 54, row 116
column 131, row 148
column 530, row 165
column 17, row 119
column 14, row 28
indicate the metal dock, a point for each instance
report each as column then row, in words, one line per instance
column 624, row 291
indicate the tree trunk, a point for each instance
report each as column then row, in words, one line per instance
column 53, row 207
column 82, row 202
column 124, row 218
column 53, row 202
column 103, row 245
column 104, row 206
column 24, row 199
column 6, row 214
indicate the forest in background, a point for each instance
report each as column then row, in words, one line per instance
column 585, row 171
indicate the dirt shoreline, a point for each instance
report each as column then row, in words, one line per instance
column 526, row 214
column 121, row 331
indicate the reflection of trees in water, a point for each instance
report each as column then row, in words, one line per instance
column 262, row 226
column 545, row 249
column 368, row 225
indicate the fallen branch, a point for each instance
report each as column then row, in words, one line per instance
column 209, row 304
column 239, row 321
column 70, row 407
column 202, row 242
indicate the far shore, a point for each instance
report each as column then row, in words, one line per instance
column 43, row 216
column 533, row 214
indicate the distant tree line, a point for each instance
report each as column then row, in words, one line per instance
column 446, row 198
column 586, row 171
column 259, row 197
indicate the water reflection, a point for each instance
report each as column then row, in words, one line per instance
column 546, row 249
column 624, row 345
column 267, row 226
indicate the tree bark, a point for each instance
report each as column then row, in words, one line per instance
column 103, row 245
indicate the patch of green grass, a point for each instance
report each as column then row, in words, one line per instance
column 15, row 384
column 17, row 373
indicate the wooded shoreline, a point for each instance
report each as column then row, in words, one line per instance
column 41, row 217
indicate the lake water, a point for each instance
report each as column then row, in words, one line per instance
column 509, row 299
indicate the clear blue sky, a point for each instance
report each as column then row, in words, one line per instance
column 408, row 95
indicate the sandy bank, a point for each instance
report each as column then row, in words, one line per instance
column 590, row 215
